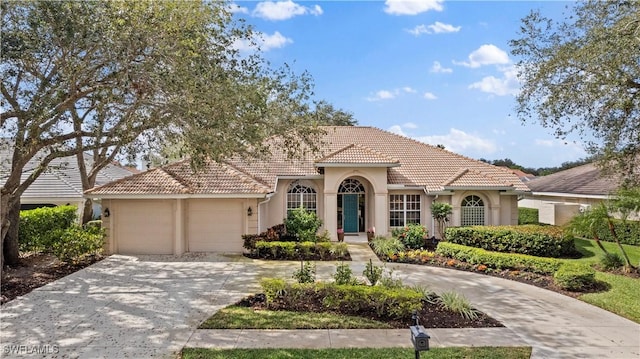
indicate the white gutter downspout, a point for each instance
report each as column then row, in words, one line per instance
column 267, row 199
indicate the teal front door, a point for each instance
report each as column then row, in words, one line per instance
column 350, row 212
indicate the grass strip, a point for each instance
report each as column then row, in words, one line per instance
column 357, row 353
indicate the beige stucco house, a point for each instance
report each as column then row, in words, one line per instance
column 362, row 177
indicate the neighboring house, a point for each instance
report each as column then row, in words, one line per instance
column 524, row 177
column 362, row 178
column 60, row 184
column 561, row 195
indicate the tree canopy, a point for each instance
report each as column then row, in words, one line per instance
column 130, row 77
column 582, row 75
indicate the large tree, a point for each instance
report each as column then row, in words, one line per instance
column 120, row 77
column 582, row 75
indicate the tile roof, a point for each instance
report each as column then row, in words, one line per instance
column 179, row 178
column 416, row 164
column 357, row 154
column 584, row 180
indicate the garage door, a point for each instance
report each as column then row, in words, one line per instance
column 215, row 225
column 144, row 227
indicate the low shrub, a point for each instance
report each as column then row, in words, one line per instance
column 304, row 224
column 372, row 273
column 611, row 261
column 497, row 260
column 306, row 273
column 458, row 303
column 574, row 276
column 528, row 216
column 396, row 303
column 386, row 247
column 344, row 275
column 542, row 241
column 38, row 228
column 413, row 236
column 75, row 243
column 300, row 250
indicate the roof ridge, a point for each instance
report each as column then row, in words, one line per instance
column 177, row 178
column 456, row 176
column 126, row 178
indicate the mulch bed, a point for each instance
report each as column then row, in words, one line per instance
column 33, row 272
column 438, row 317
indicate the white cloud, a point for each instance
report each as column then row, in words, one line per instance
column 459, row 141
column 237, row 9
column 437, row 68
column 382, row 95
column 283, row 10
column 390, row 94
column 264, row 41
column 456, row 140
column 508, row 84
column 410, row 125
column 411, row 7
column 485, row 55
column 429, row 96
column 435, row 28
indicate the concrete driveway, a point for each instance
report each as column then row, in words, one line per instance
column 149, row 307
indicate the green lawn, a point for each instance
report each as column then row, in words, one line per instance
column 235, row 317
column 623, row 298
column 592, row 254
column 391, row 353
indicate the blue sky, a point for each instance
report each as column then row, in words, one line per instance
column 439, row 72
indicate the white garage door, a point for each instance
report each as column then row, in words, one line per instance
column 144, row 226
column 215, row 225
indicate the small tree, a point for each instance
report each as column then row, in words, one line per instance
column 303, row 223
column 440, row 212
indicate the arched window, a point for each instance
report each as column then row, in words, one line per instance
column 299, row 195
column 351, row 185
column 472, row 211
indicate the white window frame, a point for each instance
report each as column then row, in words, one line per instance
column 409, row 206
column 300, row 195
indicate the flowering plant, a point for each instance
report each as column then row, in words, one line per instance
column 340, row 230
column 371, row 230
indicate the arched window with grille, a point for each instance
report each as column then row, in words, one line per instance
column 300, row 195
column 472, row 211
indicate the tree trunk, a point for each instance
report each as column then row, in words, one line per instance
column 10, row 230
column 87, row 212
column 612, row 229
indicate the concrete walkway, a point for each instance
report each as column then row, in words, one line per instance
column 150, row 307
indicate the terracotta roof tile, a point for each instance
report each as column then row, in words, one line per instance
column 357, row 154
column 473, row 178
column 420, row 164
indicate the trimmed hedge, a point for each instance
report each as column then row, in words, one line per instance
column 628, row 232
column 75, row 243
column 497, row 260
column 300, row 250
column 39, row 228
column 541, row 241
column 528, row 216
column 397, row 303
column 575, row 276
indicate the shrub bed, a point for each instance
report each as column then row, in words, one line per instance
column 575, row 276
column 300, row 250
column 542, row 241
column 382, row 302
column 498, row 260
